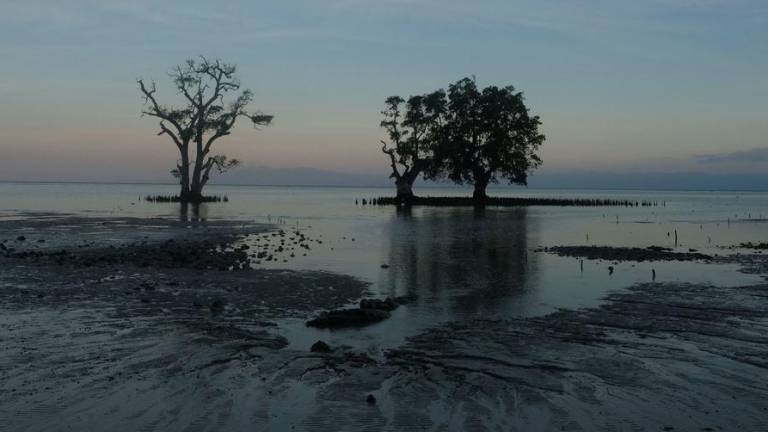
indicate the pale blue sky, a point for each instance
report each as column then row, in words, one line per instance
column 620, row 85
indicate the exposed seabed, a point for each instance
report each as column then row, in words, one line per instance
column 99, row 337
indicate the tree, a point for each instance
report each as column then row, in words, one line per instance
column 206, row 116
column 413, row 137
column 490, row 136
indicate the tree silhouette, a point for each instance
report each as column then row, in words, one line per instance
column 206, row 117
column 413, row 137
column 490, row 136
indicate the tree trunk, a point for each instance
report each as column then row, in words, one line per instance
column 480, row 185
column 184, row 175
column 404, row 190
column 196, row 189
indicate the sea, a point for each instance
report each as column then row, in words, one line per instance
column 461, row 262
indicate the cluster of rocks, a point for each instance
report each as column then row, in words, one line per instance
column 280, row 245
column 370, row 311
column 199, row 254
column 756, row 246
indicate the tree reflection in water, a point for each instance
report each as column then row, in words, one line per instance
column 468, row 259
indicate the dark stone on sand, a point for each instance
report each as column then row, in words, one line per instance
column 320, row 347
column 348, row 318
column 750, row 245
column 217, row 306
column 659, row 249
column 389, row 303
column 371, row 399
column 386, row 305
column 20, row 238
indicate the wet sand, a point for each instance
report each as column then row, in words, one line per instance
column 122, row 344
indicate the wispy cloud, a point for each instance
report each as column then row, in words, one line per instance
column 756, row 155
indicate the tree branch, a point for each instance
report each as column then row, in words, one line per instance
column 165, row 130
column 392, row 159
column 157, row 110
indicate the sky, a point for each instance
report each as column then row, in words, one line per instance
column 622, row 87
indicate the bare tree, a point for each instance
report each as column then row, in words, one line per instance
column 204, row 119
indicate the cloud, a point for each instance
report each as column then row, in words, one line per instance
column 753, row 155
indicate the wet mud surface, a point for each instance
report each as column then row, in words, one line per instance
column 609, row 253
column 181, row 344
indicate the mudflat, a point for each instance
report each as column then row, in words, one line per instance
column 142, row 324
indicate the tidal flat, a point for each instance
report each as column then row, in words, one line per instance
column 129, row 323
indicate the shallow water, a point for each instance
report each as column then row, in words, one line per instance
column 461, row 262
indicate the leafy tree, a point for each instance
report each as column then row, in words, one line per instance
column 413, row 137
column 206, row 116
column 490, row 136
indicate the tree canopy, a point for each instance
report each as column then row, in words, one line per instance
column 466, row 135
column 413, row 136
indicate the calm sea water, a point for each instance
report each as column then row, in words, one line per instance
column 461, row 262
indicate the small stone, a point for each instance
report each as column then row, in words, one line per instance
column 320, row 347
column 217, row 306
column 385, row 266
column 371, row 399
column 387, row 304
column 20, row 238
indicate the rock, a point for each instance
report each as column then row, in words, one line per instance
column 348, row 318
column 20, row 238
column 385, row 266
column 217, row 306
column 386, row 305
column 320, row 347
column 659, row 248
column 371, row 399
